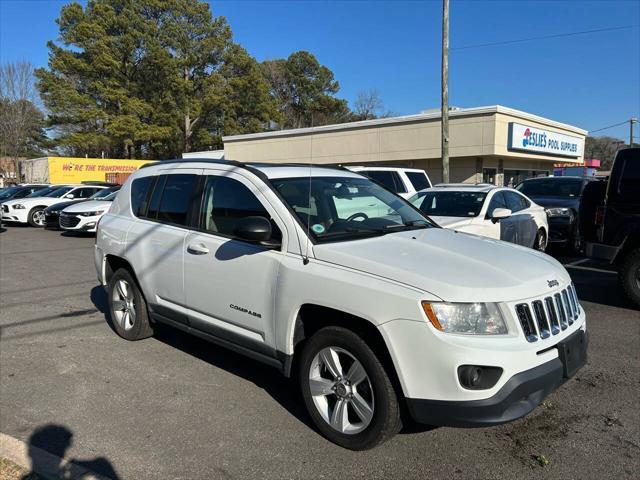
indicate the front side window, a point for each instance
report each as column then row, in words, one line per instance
column 225, row 202
column 419, row 180
column 340, row 208
column 515, row 202
column 452, row 204
column 497, row 201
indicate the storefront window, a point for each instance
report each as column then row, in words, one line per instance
column 514, row 177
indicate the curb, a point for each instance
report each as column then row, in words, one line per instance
column 50, row 466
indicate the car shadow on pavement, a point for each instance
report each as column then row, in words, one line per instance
column 47, row 447
column 283, row 390
column 601, row 288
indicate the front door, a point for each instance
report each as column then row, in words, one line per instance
column 230, row 284
column 503, row 229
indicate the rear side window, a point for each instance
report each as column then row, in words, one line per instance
column 629, row 186
column 419, row 180
column 139, row 191
column 388, row 178
column 154, row 203
column 177, row 196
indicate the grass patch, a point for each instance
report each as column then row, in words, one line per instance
column 11, row 471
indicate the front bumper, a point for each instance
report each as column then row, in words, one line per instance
column 52, row 221
column 15, row 215
column 521, row 394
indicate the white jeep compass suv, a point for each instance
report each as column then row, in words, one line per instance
column 373, row 313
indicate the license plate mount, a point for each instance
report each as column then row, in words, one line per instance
column 573, row 353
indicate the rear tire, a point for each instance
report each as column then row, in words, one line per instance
column 354, row 404
column 36, row 217
column 540, row 243
column 630, row 276
column 127, row 307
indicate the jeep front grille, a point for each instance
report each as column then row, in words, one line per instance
column 548, row 316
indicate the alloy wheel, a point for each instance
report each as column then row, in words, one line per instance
column 341, row 390
column 38, row 218
column 124, row 308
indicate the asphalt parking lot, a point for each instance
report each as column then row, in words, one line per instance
column 174, row 407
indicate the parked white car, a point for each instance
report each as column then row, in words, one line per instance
column 371, row 313
column 84, row 217
column 403, row 181
column 30, row 210
column 487, row 210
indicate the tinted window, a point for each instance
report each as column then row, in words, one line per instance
column 515, row 202
column 630, row 178
column 154, row 203
column 551, row 187
column 388, row 178
column 58, row 192
column 452, row 204
column 42, row 192
column 84, row 192
column 418, row 180
column 497, row 201
column 139, row 190
column 177, row 195
column 225, row 202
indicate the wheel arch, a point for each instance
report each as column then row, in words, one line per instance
column 112, row 263
column 312, row 317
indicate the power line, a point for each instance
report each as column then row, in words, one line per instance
column 557, row 35
column 607, row 128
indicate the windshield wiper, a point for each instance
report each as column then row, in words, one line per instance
column 408, row 225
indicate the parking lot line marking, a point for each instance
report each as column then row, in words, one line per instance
column 577, row 262
column 591, row 269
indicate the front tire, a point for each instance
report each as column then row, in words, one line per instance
column 347, row 390
column 630, row 276
column 36, row 217
column 128, row 307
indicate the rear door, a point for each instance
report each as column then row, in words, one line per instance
column 156, row 241
column 230, row 284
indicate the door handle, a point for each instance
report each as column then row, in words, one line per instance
column 197, row 249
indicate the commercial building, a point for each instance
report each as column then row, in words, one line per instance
column 487, row 144
column 75, row 170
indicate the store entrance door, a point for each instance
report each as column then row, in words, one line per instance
column 489, row 175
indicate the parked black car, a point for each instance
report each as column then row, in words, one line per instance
column 561, row 197
column 20, row 191
column 52, row 213
column 617, row 220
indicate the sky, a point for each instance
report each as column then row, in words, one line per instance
column 588, row 80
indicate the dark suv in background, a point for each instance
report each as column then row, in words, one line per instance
column 561, row 197
column 617, row 221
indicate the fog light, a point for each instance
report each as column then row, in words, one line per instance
column 477, row 377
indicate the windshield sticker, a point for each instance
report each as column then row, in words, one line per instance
column 317, row 228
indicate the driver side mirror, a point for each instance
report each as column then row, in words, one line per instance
column 70, row 196
column 500, row 213
column 255, row 230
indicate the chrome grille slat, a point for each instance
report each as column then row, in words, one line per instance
column 567, row 306
column 526, row 322
column 553, row 315
column 541, row 319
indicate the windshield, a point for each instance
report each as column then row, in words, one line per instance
column 342, row 208
column 111, row 196
column 102, row 194
column 9, row 192
column 58, row 192
column 551, row 187
column 450, row 204
column 42, row 192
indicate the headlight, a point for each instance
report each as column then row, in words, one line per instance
column 92, row 214
column 18, row 206
column 559, row 212
column 467, row 318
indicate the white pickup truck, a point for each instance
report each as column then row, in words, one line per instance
column 373, row 315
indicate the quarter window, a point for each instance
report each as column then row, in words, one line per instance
column 154, row 203
column 388, row 178
column 139, row 190
column 419, row 180
column 225, row 202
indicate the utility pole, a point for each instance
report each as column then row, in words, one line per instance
column 445, row 92
column 632, row 120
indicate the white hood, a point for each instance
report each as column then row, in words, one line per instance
column 35, row 201
column 452, row 223
column 452, row 266
column 89, row 206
